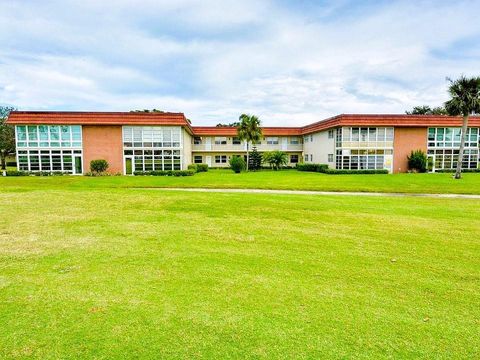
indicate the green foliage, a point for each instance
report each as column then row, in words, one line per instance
column 417, row 161
column 98, row 166
column 312, row 167
column 427, row 110
column 148, row 111
column 255, row 159
column 237, row 164
column 465, row 96
column 189, row 172
column 234, row 124
column 198, row 167
column 7, row 136
column 276, row 159
column 463, row 170
column 250, row 131
column 17, row 173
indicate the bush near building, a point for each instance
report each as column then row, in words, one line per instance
column 417, row 161
column 237, row 164
column 98, row 166
column 323, row 168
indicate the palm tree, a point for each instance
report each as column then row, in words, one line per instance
column 249, row 130
column 465, row 101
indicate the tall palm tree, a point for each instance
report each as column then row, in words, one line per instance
column 249, row 130
column 465, row 101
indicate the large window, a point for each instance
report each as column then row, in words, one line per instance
column 364, row 136
column 236, row 141
column 153, row 147
column 152, row 137
column 294, row 158
column 69, row 161
column 49, row 136
column 355, row 159
column 220, row 140
column 444, row 144
column 197, row 159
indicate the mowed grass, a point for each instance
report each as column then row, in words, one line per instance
column 96, row 272
column 285, row 179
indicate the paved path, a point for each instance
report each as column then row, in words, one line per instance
column 307, row 192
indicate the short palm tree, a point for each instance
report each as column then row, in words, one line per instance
column 465, row 101
column 249, row 130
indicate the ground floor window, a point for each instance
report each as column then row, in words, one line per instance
column 330, row 158
column 294, row 159
column 148, row 160
column 197, row 159
column 69, row 161
column 220, row 159
column 306, row 157
column 371, row 159
column 448, row 158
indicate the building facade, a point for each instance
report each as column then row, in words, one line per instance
column 131, row 141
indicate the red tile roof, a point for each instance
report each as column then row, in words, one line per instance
column 396, row 120
column 178, row 119
column 97, row 118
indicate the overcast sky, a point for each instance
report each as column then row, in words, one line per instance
column 289, row 62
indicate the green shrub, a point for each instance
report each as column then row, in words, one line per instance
column 98, row 166
column 237, row 164
column 417, row 161
column 17, row 173
column 165, row 173
column 312, row 167
column 354, row 172
column 202, row 167
column 276, row 159
column 193, row 167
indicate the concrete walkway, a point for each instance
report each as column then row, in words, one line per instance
column 307, row 192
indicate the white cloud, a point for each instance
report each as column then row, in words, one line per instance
column 216, row 59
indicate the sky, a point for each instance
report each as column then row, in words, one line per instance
column 289, row 62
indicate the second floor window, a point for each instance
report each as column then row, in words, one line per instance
column 236, row 141
column 197, row 140
column 272, row 140
column 220, row 140
column 294, row 141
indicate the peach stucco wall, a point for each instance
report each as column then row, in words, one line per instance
column 103, row 142
column 406, row 140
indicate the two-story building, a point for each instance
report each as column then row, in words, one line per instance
column 130, row 141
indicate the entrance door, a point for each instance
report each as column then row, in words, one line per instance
column 128, row 165
column 208, row 160
column 78, row 165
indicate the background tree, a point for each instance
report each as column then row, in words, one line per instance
column 427, row 110
column 7, row 136
column 465, row 101
column 255, row 161
column 234, row 124
column 249, row 130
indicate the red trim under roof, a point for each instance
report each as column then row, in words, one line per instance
column 178, row 119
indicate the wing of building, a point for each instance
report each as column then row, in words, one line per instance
column 130, row 141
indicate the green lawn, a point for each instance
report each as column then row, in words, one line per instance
column 285, row 179
column 88, row 271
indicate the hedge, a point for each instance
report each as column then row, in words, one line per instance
column 198, row 167
column 35, row 173
column 17, row 173
column 453, row 170
column 354, row 172
column 165, row 173
column 312, row 167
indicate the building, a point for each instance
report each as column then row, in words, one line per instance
column 129, row 141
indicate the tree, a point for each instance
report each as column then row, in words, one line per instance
column 148, row 111
column 7, row 136
column 249, row 130
column 234, row 124
column 237, row 164
column 465, row 101
column 276, row 159
column 255, row 162
column 427, row 110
